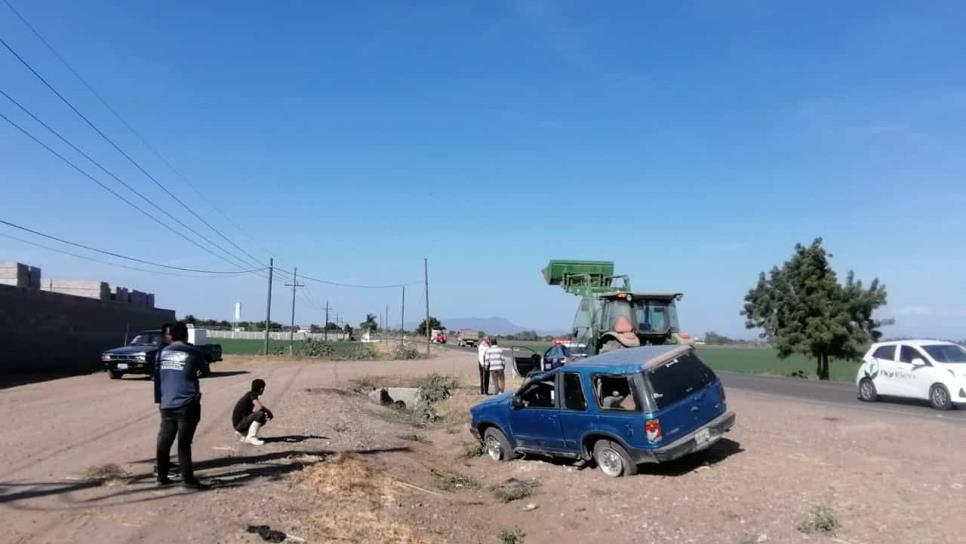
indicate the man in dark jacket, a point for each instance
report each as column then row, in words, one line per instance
column 178, row 365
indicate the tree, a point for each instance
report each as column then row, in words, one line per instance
column 330, row 326
column 370, row 324
column 712, row 337
column 434, row 323
column 190, row 319
column 802, row 308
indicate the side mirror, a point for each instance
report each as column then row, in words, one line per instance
column 516, row 402
column 918, row 362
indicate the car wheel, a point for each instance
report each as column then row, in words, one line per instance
column 867, row 391
column 611, row 345
column 496, row 445
column 613, row 459
column 939, row 397
column 115, row 375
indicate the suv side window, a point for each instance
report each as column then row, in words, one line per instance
column 615, row 393
column 887, row 353
column 573, row 392
column 539, row 394
column 908, row 353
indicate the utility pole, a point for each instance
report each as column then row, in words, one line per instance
column 426, row 279
column 325, row 329
column 268, row 310
column 385, row 321
column 402, row 319
column 291, row 331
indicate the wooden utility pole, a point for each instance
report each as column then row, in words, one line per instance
column 402, row 319
column 268, row 308
column 429, row 331
column 291, row 331
column 325, row 330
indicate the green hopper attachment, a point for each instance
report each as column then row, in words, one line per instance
column 583, row 277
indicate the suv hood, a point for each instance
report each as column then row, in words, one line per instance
column 502, row 398
column 131, row 350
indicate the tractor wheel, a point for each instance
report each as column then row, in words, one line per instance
column 611, row 345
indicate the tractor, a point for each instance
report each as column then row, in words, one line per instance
column 611, row 316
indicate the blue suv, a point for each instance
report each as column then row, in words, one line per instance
column 621, row 409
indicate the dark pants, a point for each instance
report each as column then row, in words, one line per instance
column 484, row 380
column 247, row 421
column 180, row 422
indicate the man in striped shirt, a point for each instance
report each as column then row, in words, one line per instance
column 494, row 363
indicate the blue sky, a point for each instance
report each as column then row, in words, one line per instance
column 694, row 143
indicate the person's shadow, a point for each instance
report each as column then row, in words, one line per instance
column 292, row 438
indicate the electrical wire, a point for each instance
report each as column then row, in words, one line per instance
column 151, row 202
column 101, row 261
column 106, row 138
column 151, row 216
column 125, row 257
column 356, row 285
column 127, row 125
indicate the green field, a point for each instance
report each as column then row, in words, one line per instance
column 237, row 346
column 745, row 360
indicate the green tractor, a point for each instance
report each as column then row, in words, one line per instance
column 611, row 316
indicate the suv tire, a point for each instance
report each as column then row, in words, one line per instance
column 867, row 391
column 939, row 397
column 497, row 446
column 115, row 375
column 613, row 460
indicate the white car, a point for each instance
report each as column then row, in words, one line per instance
column 930, row 370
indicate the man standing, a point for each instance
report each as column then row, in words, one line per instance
column 494, row 362
column 481, row 359
column 180, row 404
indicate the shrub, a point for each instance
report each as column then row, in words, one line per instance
column 405, row 353
column 507, row 536
column 434, row 389
column 820, row 520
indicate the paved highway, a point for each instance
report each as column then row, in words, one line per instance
column 827, row 393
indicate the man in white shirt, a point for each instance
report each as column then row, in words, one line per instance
column 484, row 372
column 494, row 362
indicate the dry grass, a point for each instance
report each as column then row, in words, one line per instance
column 107, row 475
column 358, row 490
column 368, row 528
column 348, row 477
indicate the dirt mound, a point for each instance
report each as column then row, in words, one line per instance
column 368, row 528
column 108, row 475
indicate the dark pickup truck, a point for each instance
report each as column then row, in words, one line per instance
column 138, row 356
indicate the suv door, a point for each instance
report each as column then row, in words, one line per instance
column 535, row 419
column 619, row 406
column 575, row 421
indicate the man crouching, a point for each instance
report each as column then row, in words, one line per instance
column 250, row 414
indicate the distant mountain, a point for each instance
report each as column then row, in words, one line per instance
column 490, row 325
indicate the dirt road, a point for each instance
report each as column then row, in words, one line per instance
column 881, row 477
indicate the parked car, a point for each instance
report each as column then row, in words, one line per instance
column 621, row 409
column 930, row 370
column 558, row 355
column 137, row 357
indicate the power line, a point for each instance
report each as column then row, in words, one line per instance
column 125, row 257
column 108, row 189
column 101, row 261
column 119, row 180
column 357, row 286
column 112, row 143
column 124, row 122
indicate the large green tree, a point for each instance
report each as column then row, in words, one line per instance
column 370, row 324
column 433, row 324
column 802, row 308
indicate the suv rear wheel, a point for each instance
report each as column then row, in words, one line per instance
column 496, row 445
column 613, row 459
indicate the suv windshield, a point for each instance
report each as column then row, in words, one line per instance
column 946, row 353
column 146, row 340
column 678, row 378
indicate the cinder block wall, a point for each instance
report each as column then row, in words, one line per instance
column 42, row 331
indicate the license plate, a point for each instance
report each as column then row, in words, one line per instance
column 122, row 366
column 702, row 437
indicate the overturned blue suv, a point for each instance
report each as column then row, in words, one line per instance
column 621, row 409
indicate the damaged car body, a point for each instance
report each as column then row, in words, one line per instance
column 621, row 409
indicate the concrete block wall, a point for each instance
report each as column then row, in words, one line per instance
column 121, row 295
column 19, row 275
column 43, row 331
column 79, row 288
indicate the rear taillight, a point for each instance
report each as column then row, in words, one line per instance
column 652, row 429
